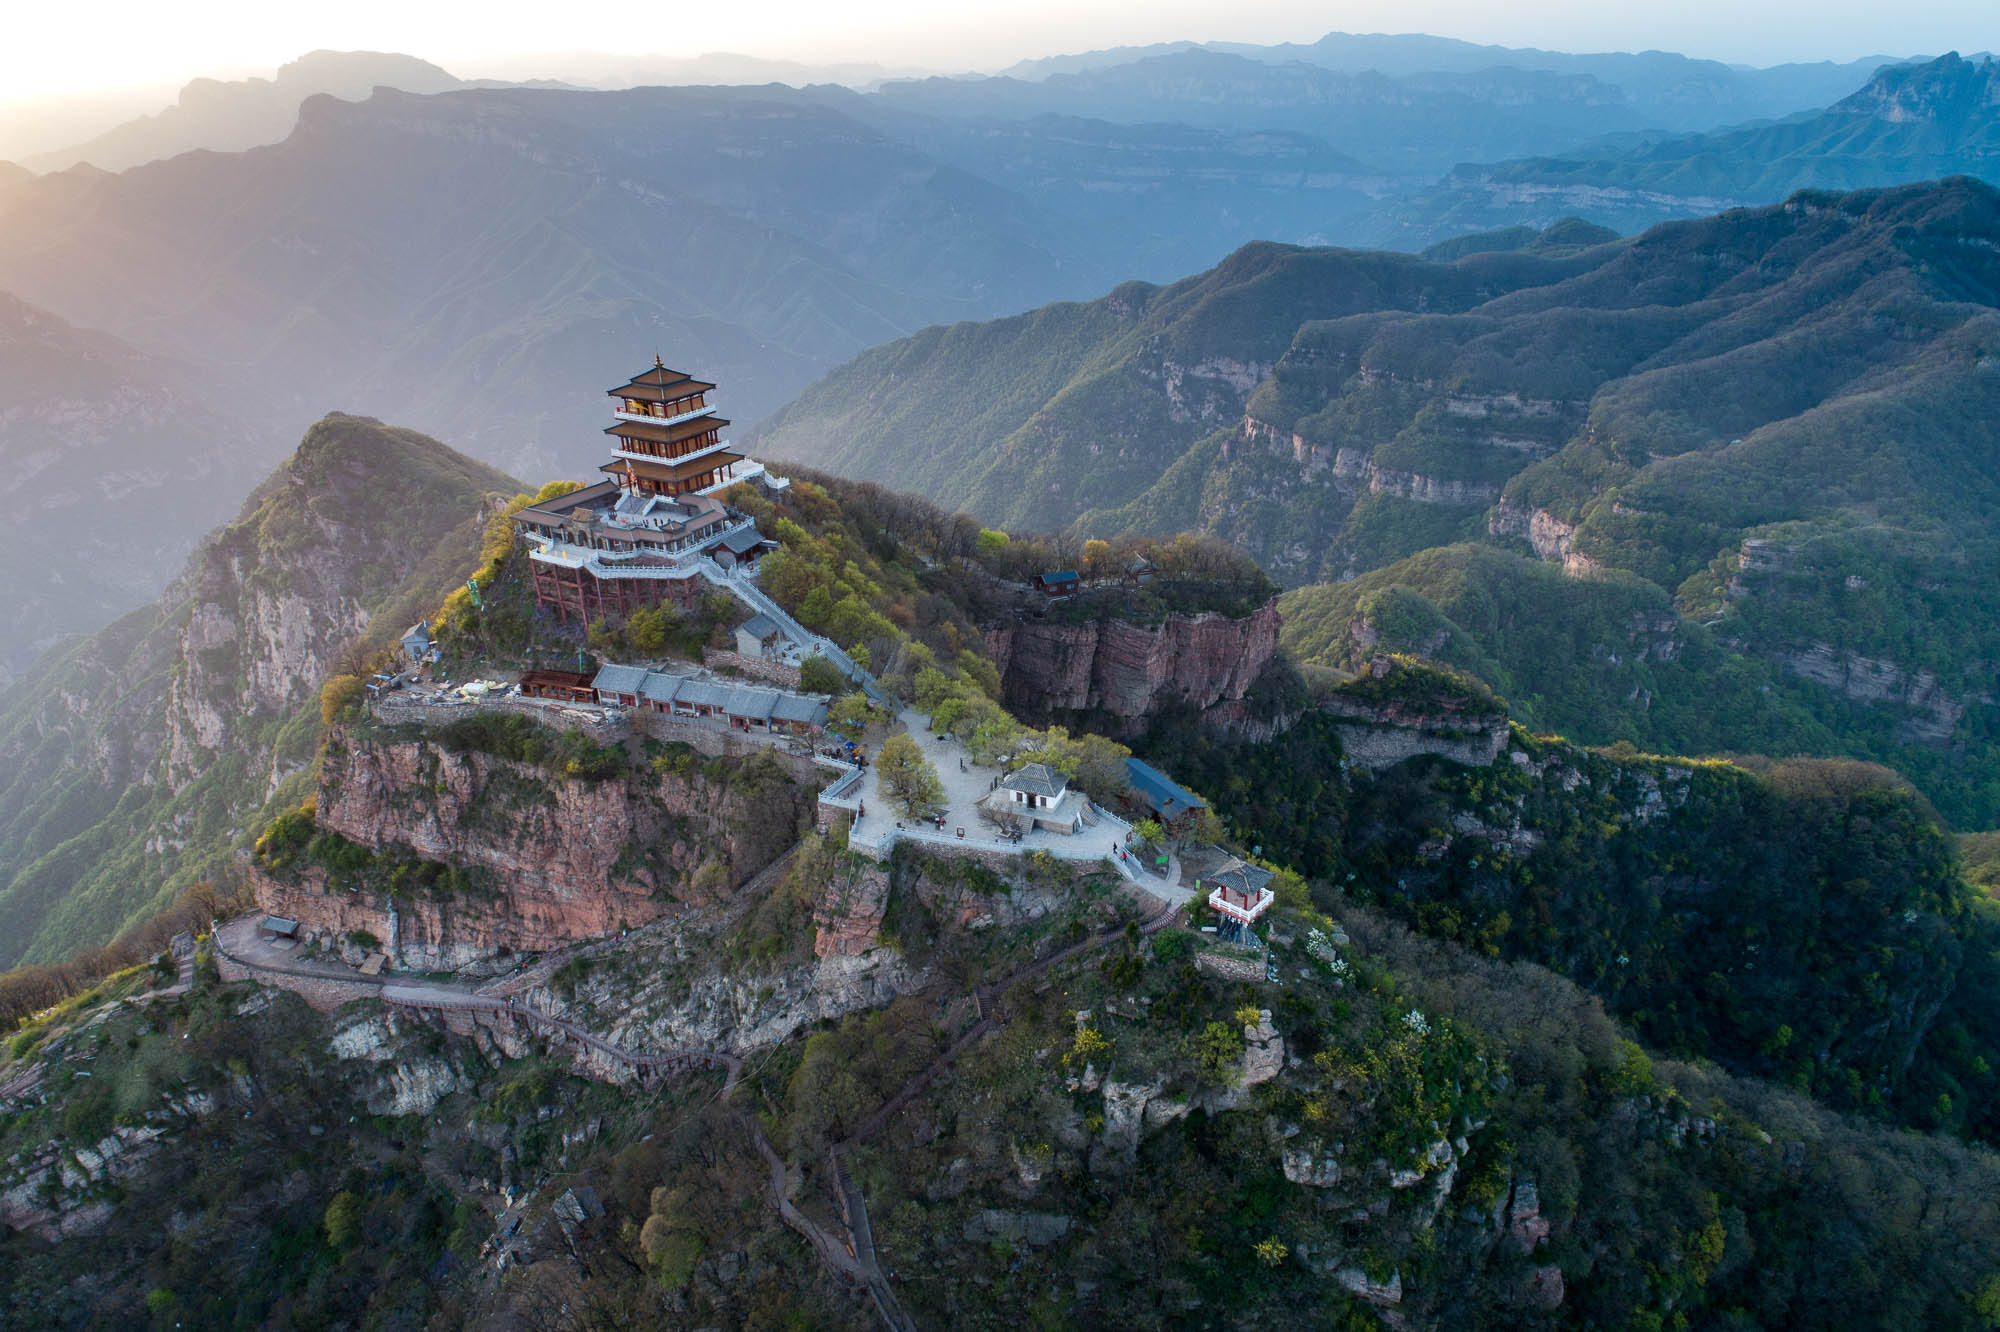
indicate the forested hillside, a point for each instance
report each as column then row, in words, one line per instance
column 1769, row 432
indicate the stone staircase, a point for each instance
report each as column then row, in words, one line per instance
column 740, row 586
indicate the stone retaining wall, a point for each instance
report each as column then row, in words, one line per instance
column 321, row 992
column 1230, row 967
column 395, row 710
column 777, row 672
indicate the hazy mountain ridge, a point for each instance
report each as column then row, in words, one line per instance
column 1909, row 122
column 462, row 261
column 114, row 457
column 1416, row 124
column 231, row 116
column 1669, row 89
column 135, row 758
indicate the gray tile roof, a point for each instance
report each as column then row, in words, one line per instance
column 1160, row 791
column 754, row 704
column 761, row 627
column 1245, row 878
column 613, row 679
column 743, row 542
column 703, row 693
column 659, row 687
column 799, row 708
column 1037, row 779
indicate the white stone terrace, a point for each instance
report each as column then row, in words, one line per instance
column 966, row 783
column 686, row 561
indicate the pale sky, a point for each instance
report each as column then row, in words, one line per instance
column 49, row 47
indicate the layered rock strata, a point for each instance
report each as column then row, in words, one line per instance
column 1129, row 672
column 555, row 859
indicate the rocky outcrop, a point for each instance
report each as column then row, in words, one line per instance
column 56, row 1189
column 848, row 920
column 555, row 859
column 449, row 933
column 1360, row 472
column 1381, row 737
column 1519, row 1216
column 1310, row 1166
column 1132, row 1109
column 1211, row 390
column 675, row 988
column 1934, row 713
column 1552, row 538
column 1382, row 1294
column 1129, row 672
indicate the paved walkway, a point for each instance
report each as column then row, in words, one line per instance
column 966, row 783
column 239, row 941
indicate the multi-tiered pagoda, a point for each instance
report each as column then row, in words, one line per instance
column 644, row 535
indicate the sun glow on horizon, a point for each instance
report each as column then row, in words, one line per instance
column 56, row 50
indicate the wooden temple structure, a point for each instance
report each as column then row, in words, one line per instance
column 641, row 536
column 669, row 440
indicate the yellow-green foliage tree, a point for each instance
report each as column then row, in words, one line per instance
column 908, row 776
column 340, row 699
column 1215, row 1052
column 849, row 715
column 494, row 544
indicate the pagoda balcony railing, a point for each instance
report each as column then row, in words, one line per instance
column 643, row 419
column 636, row 456
column 744, row 470
column 618, row 564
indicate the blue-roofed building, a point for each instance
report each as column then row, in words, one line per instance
column 1167, row 799
column 1058, row 584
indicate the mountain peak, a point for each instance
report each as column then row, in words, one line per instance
column 1947, row 90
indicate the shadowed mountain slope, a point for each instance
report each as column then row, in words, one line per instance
column 133, row 760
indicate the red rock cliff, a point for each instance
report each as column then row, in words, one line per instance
column 565, row 859
column 1132, row 671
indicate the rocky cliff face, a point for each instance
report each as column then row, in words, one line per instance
column 1132, row 672
column 1551, row 537
column 1381, row 737
column 558, row 859
column 1934, row 712
column 189, row 701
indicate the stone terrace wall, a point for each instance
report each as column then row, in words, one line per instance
column 777, row 672
column 401, row 710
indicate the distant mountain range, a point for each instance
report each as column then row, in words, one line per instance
column 474, row 261
column 1413, row 124
column 1777, row 423
column 228, row 117
column 112, row 457
column 1910, row 122
column 469, row 260
column 1665, row 89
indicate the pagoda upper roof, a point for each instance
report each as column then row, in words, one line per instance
column 660, row 382
column 666, row 434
